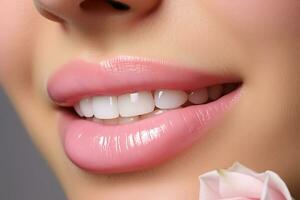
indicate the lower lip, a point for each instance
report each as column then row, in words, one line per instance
column 140, row 145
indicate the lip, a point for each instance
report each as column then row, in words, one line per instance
column 143, row 144
column 79, row 78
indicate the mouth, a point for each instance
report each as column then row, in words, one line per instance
column 127, row 113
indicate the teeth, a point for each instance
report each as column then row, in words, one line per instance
column 105, row 107
column 169, row 99
column 78, row 110
column 131, row 107
column 134, row 104
column 199, row 96
column 215, row 92
column 86, row 107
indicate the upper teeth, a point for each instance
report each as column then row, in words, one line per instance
column 199, row 96
column 141, row 103
column 135, row 104
column 105, row 107
column 169, row 99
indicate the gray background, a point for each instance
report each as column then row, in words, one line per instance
column 24, row 174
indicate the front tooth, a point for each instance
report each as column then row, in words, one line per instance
column 105, row 107
column 135, row 104
column 198, row 96
column 214, row 92
column 86, row 107
column 78, row 110
column 169, row 99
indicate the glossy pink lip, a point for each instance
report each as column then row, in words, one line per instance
column 139, row 145
column 119, row 75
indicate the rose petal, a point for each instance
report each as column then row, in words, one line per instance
column 268, row 193
column 235, row 184
column 209, row 183
column 238, row 167
column 275, row 188
column 238, row 198
column 242, row 183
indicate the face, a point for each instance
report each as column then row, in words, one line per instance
column 253, row 42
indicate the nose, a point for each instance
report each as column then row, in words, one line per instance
column 72, row 10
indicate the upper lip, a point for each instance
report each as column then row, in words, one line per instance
column 80, row 78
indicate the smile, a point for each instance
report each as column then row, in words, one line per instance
column 132, row 113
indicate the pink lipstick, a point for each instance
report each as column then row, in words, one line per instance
column 144, row 143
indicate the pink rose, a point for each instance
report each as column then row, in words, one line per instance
column 241, row 183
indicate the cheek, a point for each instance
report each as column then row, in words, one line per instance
column 259, row 18
column 17, row 22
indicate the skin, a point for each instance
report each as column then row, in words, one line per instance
column 256, row 40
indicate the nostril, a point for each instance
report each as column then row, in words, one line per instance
column 91, row 5
column 96, row 5
column 118, row 5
